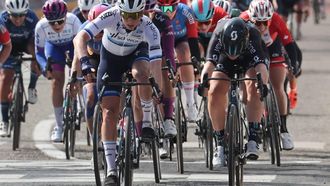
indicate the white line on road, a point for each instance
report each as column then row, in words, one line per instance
column 41, row 136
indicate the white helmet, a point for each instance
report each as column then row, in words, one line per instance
column 223, row 4
column 261, row 10
column 17, row 6
column 132, row 6
column 87, row 4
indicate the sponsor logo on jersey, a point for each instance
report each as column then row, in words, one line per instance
column 189, row 16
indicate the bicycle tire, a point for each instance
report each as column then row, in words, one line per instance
column 72, row 134
column 231, row 127
column 178, row 122
column 128, row 166
column 275, row 127
column 66, row 125
column 17, row 110
column 269, row 130
column 97, row 121
column 156, row 161
column 209, row 138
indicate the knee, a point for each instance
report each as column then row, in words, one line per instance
column 141, row 74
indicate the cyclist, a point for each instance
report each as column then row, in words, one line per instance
column 186, row 45
column 54, row 35
column 235, row 43
column 130, row 41
column 300, row 7
column 93, row 48
column 20, row 21
column 163, row 23
column 83, row 8
column 207, row 15
column 5, row 50
column 274, row 33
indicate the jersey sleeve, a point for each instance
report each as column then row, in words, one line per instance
column 256, row 48
column 102, row 21
column 152, row 36
column 245, row 16
column 214, row 47
column 4, row 34
column 282, row 29
column 35, row 20
column 39, row 41
column 191, row 24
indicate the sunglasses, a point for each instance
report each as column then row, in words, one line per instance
column 204, row 22
column 17, row 15
column 170, row 8
column 259, row 23
column 134, row 15
column 58, row 22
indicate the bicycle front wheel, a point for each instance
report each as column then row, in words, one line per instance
column 17, row 107
column 178, row 122
column 97, row 122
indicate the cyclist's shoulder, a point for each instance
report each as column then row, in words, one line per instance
column 71, row 18
column 76, row 11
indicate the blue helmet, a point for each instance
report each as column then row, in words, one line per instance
column 203, row 9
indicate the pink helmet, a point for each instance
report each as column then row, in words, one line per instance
column 97, row 10
column 261, row 10
column 167, row 2
column 54, row 9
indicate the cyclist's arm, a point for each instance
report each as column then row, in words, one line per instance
column 6, row 44
column 39, row 42
column 152, row 36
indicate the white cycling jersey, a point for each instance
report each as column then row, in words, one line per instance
column 119, row 41
column 44, row 32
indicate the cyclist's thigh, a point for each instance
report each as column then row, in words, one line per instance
column 57, row 53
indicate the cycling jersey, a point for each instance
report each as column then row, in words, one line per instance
column 95, row 46
column 120, row 41
column 49, row 43
column 4, row 34
column 23, row 35
column 252, row 56
column 163, row 23
column 276, row 28
column 78, row 13
column 184, row 24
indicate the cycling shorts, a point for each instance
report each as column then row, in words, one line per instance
column 115, row 66
column 276, row 54
column 57, row 54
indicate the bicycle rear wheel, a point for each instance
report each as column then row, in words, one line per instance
column 97, row 122
column 208, row 137
column 156, row 161
column 178, row 122
column 17, row 107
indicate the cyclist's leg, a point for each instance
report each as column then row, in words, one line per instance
column 35, row 73
column 58, row 74
column 6, row 75
column 300, row 10
column 217, row 105
column 141, row 71
column 187, row 76
column 254, row 110
column 90, row 97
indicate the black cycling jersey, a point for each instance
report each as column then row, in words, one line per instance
column 252, row 56
column 78, row 13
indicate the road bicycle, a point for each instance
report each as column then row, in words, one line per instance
column 235, row 124
column 128, row 144
column 72, row 117
column 19, row 105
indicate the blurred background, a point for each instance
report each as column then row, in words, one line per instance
column 37, row 4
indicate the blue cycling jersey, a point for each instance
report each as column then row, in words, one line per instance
column 20, row 34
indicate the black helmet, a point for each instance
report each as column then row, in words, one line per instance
column 235, row 37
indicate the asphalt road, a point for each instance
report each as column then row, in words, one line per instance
column 40, row 162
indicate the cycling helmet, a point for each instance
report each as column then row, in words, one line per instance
column 110, row 2
column 167, row 2
column 17, row 6
column 86, row 4
column 261, row 10
column 203, row 9
column 235, row 37
column 97, row 10
column 54, row 9
column 223, row 4
column 150, row 5
column 132, row 6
